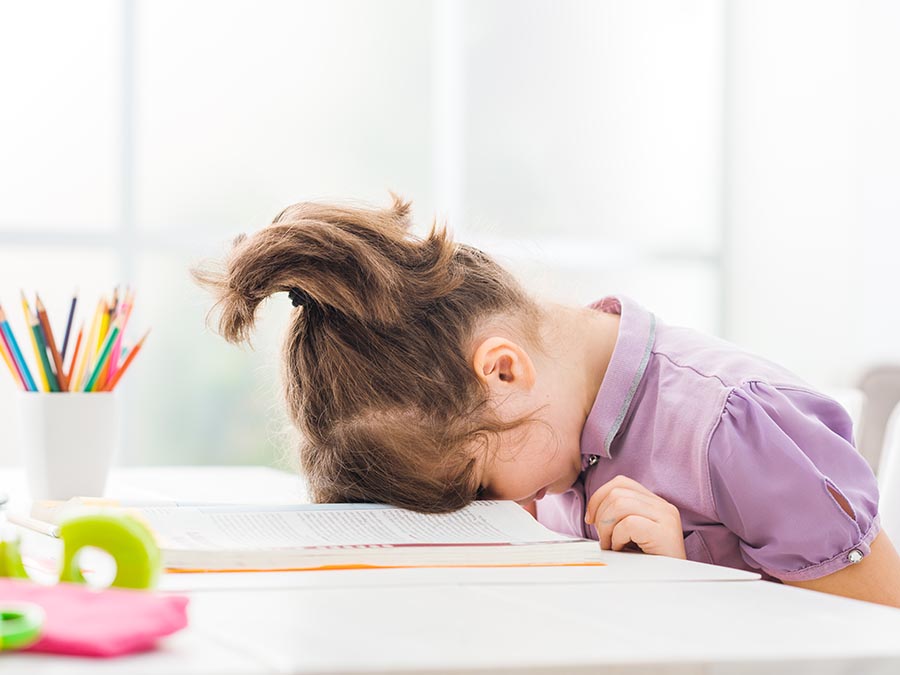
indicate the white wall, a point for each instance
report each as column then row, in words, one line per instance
column 877, row 308
column 812, row 150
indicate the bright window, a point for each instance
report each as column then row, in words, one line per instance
column 577, row 142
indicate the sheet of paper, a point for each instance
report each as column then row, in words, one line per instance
column 236, row 527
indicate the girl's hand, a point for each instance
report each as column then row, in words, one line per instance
column 623, row 511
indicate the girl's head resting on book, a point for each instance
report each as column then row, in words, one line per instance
column 392, row 354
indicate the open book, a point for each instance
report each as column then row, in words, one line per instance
column 330, row 536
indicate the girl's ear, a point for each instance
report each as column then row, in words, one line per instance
column 503, row 365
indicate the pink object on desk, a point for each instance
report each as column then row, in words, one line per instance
column 88, row 622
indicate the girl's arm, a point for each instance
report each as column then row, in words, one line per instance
column 875, row 578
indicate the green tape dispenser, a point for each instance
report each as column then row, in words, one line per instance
column 127, row 540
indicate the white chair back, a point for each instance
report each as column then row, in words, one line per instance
column 889, row 478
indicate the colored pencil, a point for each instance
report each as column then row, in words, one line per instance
column 51, row 343
column 113, row 309
column 13, row 347
column 101, row 334
column 121, row 371
column 104, row 374
column 127, row 304
column 85, row 361
column 8, row 359
column 76, row 380
column 41, row 352
column 104, row 356
column 69, row 323
column 45, row 381
column 74, row 357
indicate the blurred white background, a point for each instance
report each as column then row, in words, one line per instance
column 733, row 166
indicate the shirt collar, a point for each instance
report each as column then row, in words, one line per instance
column 637, row 329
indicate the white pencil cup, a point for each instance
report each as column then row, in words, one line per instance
column 67, row 441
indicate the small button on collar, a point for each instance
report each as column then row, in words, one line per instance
column 855, row 555
column 592, row 459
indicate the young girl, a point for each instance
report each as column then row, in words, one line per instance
column 422, row 375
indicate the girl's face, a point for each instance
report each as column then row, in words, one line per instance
column 530, row 462
column 557, row 389
column 535, row 458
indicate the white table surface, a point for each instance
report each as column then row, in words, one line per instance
column 536, row 620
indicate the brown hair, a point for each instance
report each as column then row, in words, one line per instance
column 377, row 369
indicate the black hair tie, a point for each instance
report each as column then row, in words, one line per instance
column 299, row 297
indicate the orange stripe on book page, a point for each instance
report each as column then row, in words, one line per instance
column 382, row 567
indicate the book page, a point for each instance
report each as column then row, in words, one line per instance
column 332, row 525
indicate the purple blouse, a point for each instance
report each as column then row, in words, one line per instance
column 749, row 454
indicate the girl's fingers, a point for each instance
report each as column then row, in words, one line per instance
column 621, row 504
column 603, row 492
column 652, row 537
column 634, row 528
column 623, row 510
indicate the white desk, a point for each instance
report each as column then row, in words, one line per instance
column 436, row 621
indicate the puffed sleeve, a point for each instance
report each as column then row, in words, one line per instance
column 781, row 464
